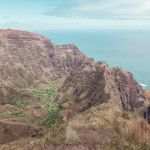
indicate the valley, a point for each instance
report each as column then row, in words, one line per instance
column 54, row 97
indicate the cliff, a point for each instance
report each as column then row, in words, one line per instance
column 30, row 62
column 93, row 83
column 29, row 59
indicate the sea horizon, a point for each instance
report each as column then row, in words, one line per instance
column 125, row 48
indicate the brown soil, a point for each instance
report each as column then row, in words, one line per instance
column 10, row 131
column 147, row 93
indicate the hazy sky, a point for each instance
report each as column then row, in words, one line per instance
column 74, row 14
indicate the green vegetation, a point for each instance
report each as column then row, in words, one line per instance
column 19, row 103
column 140, row 111
column 18, row 114
column 45, row 95
column 110, row 129
column 56, row 130
column 46, row 98
column 97, row 141
column 125, row 115
column 64, row 100
column 53, row 117
column 14, row 113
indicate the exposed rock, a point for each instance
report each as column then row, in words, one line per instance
column 126, row 91
column 147, row 111
column 31, row 59
column 147, row 114
column 93, row 83
column 28, row 59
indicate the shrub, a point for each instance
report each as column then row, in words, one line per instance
column 19, row 114
column 18, row 102
column 47, row 99
column 125, row 115
column 53, row 117
column 140, row 111
column 14, row 113
column 97, row 141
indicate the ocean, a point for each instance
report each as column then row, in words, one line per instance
column 129, row 49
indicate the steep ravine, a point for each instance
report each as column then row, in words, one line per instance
column 31, row 68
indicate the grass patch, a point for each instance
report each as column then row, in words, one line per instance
column 19, row 103
column 46, row 99
column 125, row 115
column 14, row 113
column 19, row 114
column 97, row 141
column 56, row 135
column 140, row 111
column 64, row 100
column 52, row 118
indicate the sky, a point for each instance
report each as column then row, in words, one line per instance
column 74, row 14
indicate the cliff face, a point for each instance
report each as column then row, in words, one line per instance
column 31, row 59
column 28, row 59
column 147, row 110
column 93, row 83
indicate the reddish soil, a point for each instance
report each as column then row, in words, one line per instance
column 147, row 93
column 65, row 105
column 66, row 113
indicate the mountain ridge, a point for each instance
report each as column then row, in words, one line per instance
column 93, row 83
column 92, row 95
column 29, row 59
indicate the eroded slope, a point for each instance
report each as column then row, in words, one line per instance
column 28, row 59
column 93, row 83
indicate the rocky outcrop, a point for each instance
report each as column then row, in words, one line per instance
column 126, row 91
column 147, row 114
column 147, row 110
column 93, row 83
column 29, row 59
